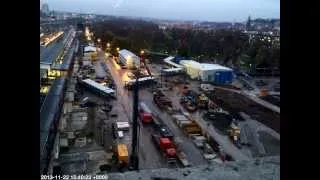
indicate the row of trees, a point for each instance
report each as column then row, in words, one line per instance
column 226, row 46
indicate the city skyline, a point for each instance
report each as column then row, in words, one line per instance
column 203, row 10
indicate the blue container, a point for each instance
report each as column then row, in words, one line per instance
column 217, row 78
column 223, row 77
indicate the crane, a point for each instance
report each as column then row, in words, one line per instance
column 134, row 159
column 142, row 59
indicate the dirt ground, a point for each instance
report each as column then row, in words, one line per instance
column 234, row 102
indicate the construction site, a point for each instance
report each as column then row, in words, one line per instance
column 168, row 121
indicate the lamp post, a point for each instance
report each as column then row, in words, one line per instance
column 108, row 47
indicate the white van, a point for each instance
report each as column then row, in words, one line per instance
column 120, row 134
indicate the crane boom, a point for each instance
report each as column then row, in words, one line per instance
column 142, row 59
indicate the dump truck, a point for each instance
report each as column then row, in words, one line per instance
column 122, row 154
column 145, row 113
column 234, row 133
column 166, row 147
column 161, row 100
column 192, row 129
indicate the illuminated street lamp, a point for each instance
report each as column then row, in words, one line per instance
column 118, row 49
column 99, row 40
column 108, row 45
column 142, row 52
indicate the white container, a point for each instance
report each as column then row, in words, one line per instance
column 183, row 123
column 122, row 126
column 199, row 138
column 180, row 117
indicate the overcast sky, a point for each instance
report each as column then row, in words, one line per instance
column 212, row 10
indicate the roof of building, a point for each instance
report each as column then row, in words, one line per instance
column 90, row 49
column 168, row 60
column 172, row 70
column 98, row 86
column 141, row 79
column 49, row 109
column 51, row 52
column 125, row 53
column 66, row 60
column 203, row 66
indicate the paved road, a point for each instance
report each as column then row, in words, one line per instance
column 100, row 72
column 148, row 154
column 186, row 145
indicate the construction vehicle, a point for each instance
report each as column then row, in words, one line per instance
column 206, row 87
column 145, row 114
column 192, row 129
column 122, row 154
column 166, row 147
column 190, row 101
column 264, row 92
column 188, row 104
column 161, row 100
column 203, row 101
column 234, row 133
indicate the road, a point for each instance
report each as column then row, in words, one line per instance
column 149, row 156
column 186, row 145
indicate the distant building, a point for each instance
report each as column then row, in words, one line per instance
column 45, row 9
column 248, row 25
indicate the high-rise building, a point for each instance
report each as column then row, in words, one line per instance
column 248, row 25
column 45, row 8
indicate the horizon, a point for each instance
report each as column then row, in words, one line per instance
column 137, row 17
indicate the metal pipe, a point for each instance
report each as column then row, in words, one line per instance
column 134, row 159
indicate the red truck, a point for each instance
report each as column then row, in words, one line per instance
column 166, row 147
column 145, row 113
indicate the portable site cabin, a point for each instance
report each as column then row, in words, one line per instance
column 208, row 72
column 129, row 59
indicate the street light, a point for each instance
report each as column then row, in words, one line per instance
column 108, row 45
column 118, row 49
column 99, row 40
column 142, row 52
